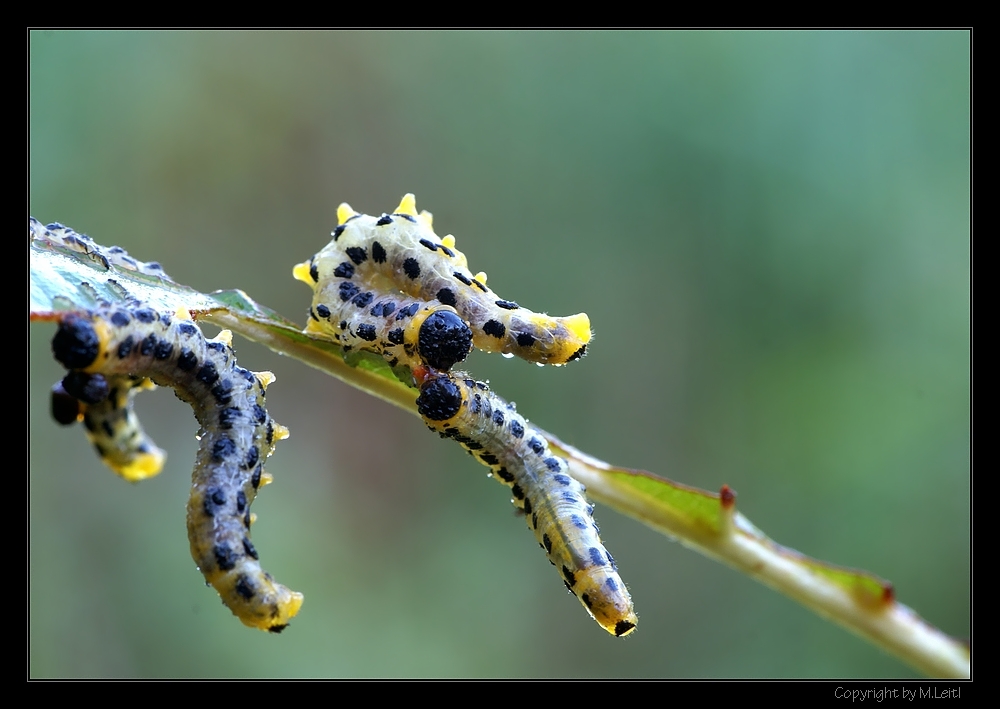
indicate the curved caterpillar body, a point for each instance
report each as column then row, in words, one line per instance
column 104, row 404
column 108, row 256
column 237, row 435
column 552, row 501
column 382, row 278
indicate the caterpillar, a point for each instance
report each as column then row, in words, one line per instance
column 392, row 286
column 107, row 256
column 237, row 434
column 553, row 503
column 104, row 404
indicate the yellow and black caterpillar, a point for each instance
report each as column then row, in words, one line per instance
column 104, row 404
column 132, row 343
column 390, row 285
column 387, row 285
column 553, row 502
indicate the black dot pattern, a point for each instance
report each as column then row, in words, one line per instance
column 131, row 345
column 398, row 258
column 553, row 502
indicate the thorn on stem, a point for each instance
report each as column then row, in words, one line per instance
column 727, row 497
column 888, row 594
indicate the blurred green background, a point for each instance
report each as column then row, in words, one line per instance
column 770, row 232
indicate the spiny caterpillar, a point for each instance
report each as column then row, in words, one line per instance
column 552, row 501
column 104, row 404
column 390, row 285
column 237, row 434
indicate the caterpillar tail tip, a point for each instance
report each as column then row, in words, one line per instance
column 624, row 627
column 283, row 607
column 617, row 623
column 288, row 607
column 144, row 466
column 579, row 326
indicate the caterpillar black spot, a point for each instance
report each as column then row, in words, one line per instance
column 237, row 435
column 390, row 285
column 553, row 502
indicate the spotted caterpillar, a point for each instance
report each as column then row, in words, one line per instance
column 390, row 285
column 107, row 256
column 552, row 501
column 104, row 404
column 237, row 435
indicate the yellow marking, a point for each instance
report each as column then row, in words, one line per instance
column 344, row 212
column 301, row 273
column 317, row 328
column 412, row 332
column 579, row 325
column 280, row 432
column 105, row 334
column 266, row 378
column 408, row 205
column 145, row 465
